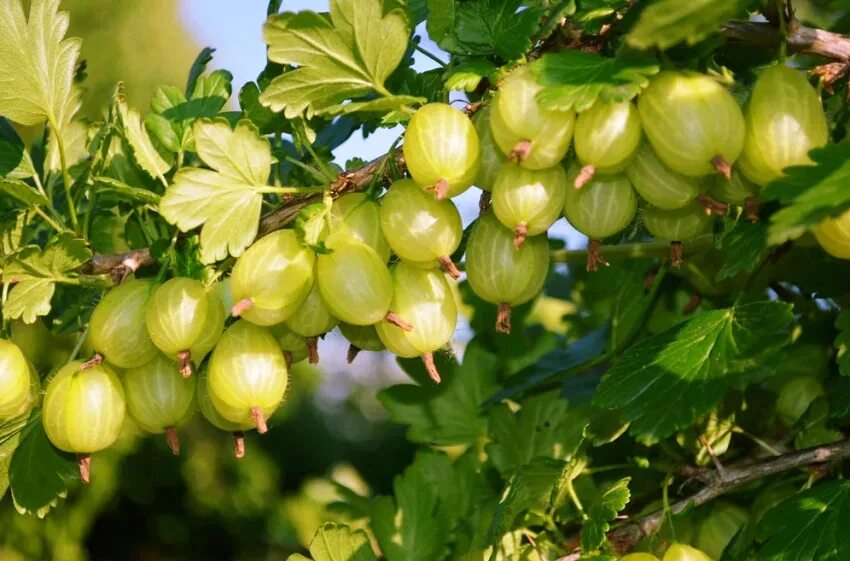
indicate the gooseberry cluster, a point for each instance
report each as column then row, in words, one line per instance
column 382, row 273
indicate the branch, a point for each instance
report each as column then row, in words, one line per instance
column 624, row 537
column 800, row 38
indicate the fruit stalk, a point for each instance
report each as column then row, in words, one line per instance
column 353, row 351
column 239, row 445
column 396, row 320
column 84, row 463
column 173, row 440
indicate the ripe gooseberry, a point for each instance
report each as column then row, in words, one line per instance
column 529, row 201
column 682, row 552
column 607, row 136
column 532, row 136
column 833, row 235
column 659, row 185
column 602, row 207
column 424, row 297
column 15, row 381
column 83, row 411
column 677, row 226
column 491, row 156
column 360, row 217
column 420, row 228
column 361, row 338
column 311, row 319
column 502, row 274
column 272, row 278
column 785, row 119
column 159, row 398
column 441, row 149
column 117, row 327
column 176, row 318
column 215, row 419
column 247, row 375
column 694, row 125
column 639, row 556
column 294, row 346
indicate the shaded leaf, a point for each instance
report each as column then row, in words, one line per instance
column 485, row 27
column 22, row 192
column 743, row 247
column 466, row 76
column 842, row 342
column 603, row 511
column 15, row 161
column 199, row 65
column 668, row 22
column 125, row 191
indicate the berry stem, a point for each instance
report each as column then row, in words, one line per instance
column 239, row 445
column 751, row 209
column 520, row 151
column 84, row 463
column 594, row 256
column 313, row 350
column 676, row 254
column 520, row 232
column 287, row 356
column 449, row 267
column 353, row 351
column 430, row 367
column 241, row 307
column 503, row 318
column 722, row 166
column 440, row 188
column 96, row 360
column 185, row 358
column 396, row 320
column 712, row 205
column 484, row 203
column 173, row 440
column 259, row 420
column 584, row 176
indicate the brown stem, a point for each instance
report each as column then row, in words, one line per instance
column 751, row 209
column 239, row 445
column 484, row 202
column 584, row 176
column 449, row 266
column 353, row 351
column 96, row 360
column 259, row 420
column 712, row 205
column 503, row 318
column 313, row 350
column 798, row 38
column 594, row 257
column 241, row 307
column 173, row 440
column 185, row 358
column 118, row 265
column 440, row 189
column 287, row 356
column 84, row 463
column 520, row 151
column 520, row 232
column 722, row 166
column 430, row 367
column 693, row 303
column 676, row 254
column 396, row 320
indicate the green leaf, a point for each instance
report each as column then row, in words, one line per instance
column 145, row 153
column 37, row 66
column 543, row 427
column 380, row 105
column 311, row 225
column 15, row 161
column 451, row 412
column 743, row 247
column 842, row 342
column 633, row 300
column 345, row 55
column 441, row 19
column 35, row 272
column 485, row 27
column 668, row 22
column 810, row 526
column 691, row 365
column 22, row 192
column 338, row 542
column 575, row 79
column 39, row 474
column 125, row 191
column 467, row 75
column 810, row 193
column 199, row 65
column 227, row 199
column 267, row 121
column 603, row 511
column 8, row 445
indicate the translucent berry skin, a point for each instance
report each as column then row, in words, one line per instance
column 360, row 217
column 534, row 198
column 177, row 314
column 678, row 225
column 14, row 381
column 210, row 413
column 682, row 552
column 83, row 412
column 117, row 327
column 491, row 156
column 364, row 337
column 640, row 556
column 690, row 119
column 499, row 272
column 213, row 327
column 833, row 235
column 517, row 116
column 157, row 395
column 441, row 143
column 733, row 191
column 659, row 185
column 247, row 370
column 417, row 226
column 602, row 207
column 607, row 135
column 34, row 340
column 424, row 298
column 354, row 282
column 290, row 342
column 785, row 119
column 276, row 273
column 312, row 318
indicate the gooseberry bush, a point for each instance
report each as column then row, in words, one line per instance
column 673, row 382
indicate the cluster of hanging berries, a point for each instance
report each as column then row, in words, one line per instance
column 684, row 142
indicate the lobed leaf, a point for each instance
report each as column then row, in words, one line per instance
column 338, row 542
column 603, row 511
column 666, row 23
column 483, row 27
